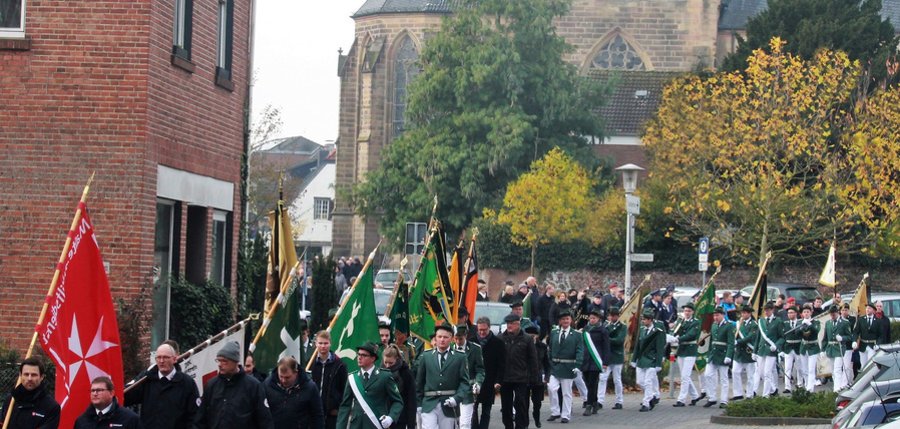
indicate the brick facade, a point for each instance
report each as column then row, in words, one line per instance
column 96, row 91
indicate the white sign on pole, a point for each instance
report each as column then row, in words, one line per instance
column 704, row 257
column 641, row 257
column 704, row 266
column 633, row 204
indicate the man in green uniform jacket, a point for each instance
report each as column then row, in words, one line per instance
column 566, row 354
column 836, row 331
column 769, row 342
column 809, row 347
column 867, row 333
column 442, row 381
column 685, row 335
column 371, row 398
column 746, row 334
column 790, row 351
column 617, row 332
column 475, row 364
column 649, row 353
column 718, row 358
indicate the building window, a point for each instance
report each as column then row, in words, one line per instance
column 12, row 18
column 181, row 44
column 618, row 54
column 406, row 68
column 225, row 37
column 162, row 270
column 220, row 247
column 322, row 208
column 415, row 237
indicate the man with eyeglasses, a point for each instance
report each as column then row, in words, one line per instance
column 168, row 397
column 371, row 398
column 233, row 399
column 104, row 411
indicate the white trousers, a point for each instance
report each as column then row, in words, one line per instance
column 616, row 371
column 465, row 415
column 866, row 356
column 646, row 377
column 686, row 366
column 581, row 386
column 848, row 366
column 716, row 377
column 791, row 366
column 554, row 385
column 435, row 419
column 654, row 382
column 809, row 365
column 769, row 374
column 737, row 376
column 838, row 373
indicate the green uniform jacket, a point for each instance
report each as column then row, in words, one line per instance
column 721, row 344
column 566, row 355
column 774, row 331
column 475, row 363
column 384, row 398
column 650, row 350
column 833, row 329
column 617, row 332
column 688, row 334
column 809, row 338
column 746, row 334
column 434, row 384
column 867, row 332
column 791, row 338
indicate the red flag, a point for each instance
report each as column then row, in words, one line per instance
column 470, row 288
column 79, row 331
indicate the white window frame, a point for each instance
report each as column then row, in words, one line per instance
column 222, row 31
column 178, row 32
column 15, row 32
column 219, row 217
column 320, row 214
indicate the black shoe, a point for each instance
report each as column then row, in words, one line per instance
column 552, row 418
column 709, row 404
column 723, row 405
column 596, row 407
column 678, row 404
column 644, row 408
column 617, row 407
column 702, row 395
column 654, row 401
column 694, row 401
column 537, row 422
column 737, row 398
column 564, row 420
column 787, row 391
column 584, row 405
column 588, row 410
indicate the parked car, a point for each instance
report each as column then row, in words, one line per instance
column 885, row 365
column 875, row 412
column 382, row 298
column 684, row 294
column 495, row 311
column 890, row 300
column 877, row 389
column 800, row 292
column 386, row 278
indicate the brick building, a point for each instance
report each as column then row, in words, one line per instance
column 150, row 95
column 646, row 43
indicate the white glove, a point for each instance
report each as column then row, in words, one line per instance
column 386, row 421
column 854, row 345
column 782, row 355
column 658, row 369
column 450, row 402
column 671, row 339
column 476, row 389
column 754, row 356
column 839, row 338
column 576, row 371
column 419, row 411
column 807, row 322
column 727, row 361
column 772, row 348
column 633, row 364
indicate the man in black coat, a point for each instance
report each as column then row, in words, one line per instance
column 330, row 375
column 595, row 351
column 519, row 370
column 293, row 397
column 104, row 412
column 167, row 396
column 544, row 302
column 233, row 399
column 493, row 352
column 34, row 407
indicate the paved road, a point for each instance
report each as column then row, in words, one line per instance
column 663, row 417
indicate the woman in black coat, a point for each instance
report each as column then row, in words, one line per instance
column 562, row 303
column 392, row 360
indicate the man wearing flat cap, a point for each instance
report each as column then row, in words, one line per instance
column 649, row 353
column 442, row 381
column 475, row 365
column 684, row 336
column 617, row 332
column 867, row 335
column 371, row 397
column 718, row 358
column 744, row 352
column 520, row 370
column 768, row 344
column 518, row 308
column 836, row 331
column 233, row 399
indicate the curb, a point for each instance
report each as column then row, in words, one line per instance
column 767, row 421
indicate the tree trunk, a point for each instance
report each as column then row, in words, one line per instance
column 533, row 252
column 764, row 243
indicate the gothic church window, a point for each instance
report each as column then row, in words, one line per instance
column 617, row 53
column 406, row 68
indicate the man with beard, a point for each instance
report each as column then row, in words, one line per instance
column 34, row 407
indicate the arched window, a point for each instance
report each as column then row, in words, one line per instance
column 617, row 53
column 405, row 70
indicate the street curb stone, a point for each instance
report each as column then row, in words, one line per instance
column 767, row 421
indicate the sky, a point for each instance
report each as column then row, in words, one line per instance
column 295, row 63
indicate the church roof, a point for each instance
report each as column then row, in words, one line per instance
column 372, row 7
column 736, row 13
column 634, row 100
column 295, row 145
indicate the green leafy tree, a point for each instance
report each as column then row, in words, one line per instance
column 324, row 294
column 853, row 26
column 494, row 95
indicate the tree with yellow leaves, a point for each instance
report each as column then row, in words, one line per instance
column 754, row 160
column 552, row 202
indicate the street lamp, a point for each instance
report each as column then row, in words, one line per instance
column 632, row 208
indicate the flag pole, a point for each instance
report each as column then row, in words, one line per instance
column 390, row 306
column 344, row 302
column 273, row 307
column 53, row 283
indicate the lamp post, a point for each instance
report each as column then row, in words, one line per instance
column 632, row 208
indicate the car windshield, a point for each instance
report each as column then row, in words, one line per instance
column 802, row 295
column 381, row 302
column 495, row 312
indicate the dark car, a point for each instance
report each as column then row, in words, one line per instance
column 877, row 389
column 875, row 412
column 800, row 292
column 885, row 365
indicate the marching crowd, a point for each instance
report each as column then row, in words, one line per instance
column 572, row 341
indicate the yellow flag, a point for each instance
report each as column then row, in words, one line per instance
column 860, row 298
column 827, row 277
column 282, row 254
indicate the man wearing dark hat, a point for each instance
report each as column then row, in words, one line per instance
column 475, row 365
column 654, row 302
column 836, row 330
column 791, row 351
column 442, row 381
column 617, row 332
column 649, row 353
column 596, row 358
column 744, row 362
column 518, row 308
column 685, row 335
column 519, row 371
column 867, row 334
column 809, row 346
column 536, row 389
column 233, row 399
column 848, row 342
column 384, row 334
column 371, row 397
column 768, row 344
column 494, row 353
column 718, row 358
column 566, row 351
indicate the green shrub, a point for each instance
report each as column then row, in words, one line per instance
column 199, row 312
column 324, row 295
column 895, row 332
column 800, row 404
column 134, row 315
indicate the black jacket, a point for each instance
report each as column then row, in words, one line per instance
column 33, row 409
column 556, row 308
column 494, row 354
column 165, row 404
column 235, row 402
column 600, row 338
column 543, row 356
column 403, row 377
column 521, row 364
column 117, row 417
column 296, row 407
column 543, row 305
column 331, row 379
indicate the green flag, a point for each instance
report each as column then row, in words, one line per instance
column 703, row 310
column 400, row 308
column 356, row 322
column 282, row 333
column 526, row 306
column 425, row 307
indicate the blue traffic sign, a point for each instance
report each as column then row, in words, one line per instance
column 703, row 246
